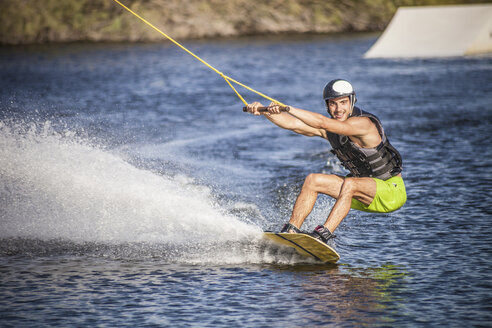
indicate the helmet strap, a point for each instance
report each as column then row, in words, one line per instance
column 328, row 108
column 353, row 100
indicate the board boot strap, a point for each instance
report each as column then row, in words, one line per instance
column 288, row 228
column 322, row 233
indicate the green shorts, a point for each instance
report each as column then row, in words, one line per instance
column 390, row 196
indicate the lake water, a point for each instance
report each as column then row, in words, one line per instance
column 134, row 190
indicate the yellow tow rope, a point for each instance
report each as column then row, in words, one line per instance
column 226, row 78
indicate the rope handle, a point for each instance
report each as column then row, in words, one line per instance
column 263, row 109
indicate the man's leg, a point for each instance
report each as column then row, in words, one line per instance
column 314, row 184
column 362, row 189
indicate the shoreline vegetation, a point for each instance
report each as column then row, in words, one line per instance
column 34, row 21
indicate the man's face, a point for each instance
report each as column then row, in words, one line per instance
column 339, row 108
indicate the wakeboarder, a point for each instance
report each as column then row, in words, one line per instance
column 358, row 139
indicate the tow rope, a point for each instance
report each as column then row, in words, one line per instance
column 226, row 78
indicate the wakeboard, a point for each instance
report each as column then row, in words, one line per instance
column 305, row 245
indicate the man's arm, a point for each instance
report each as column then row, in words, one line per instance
column 355, row 126
column 285, row 120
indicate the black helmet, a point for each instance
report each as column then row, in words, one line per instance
column 339, row 88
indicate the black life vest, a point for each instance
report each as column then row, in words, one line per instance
column 382, row 162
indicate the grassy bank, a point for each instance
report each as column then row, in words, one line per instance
column 38, row 21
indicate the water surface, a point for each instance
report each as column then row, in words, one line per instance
column 133, row 189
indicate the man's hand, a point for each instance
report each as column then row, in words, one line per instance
column 253, row 108
column 275, row 108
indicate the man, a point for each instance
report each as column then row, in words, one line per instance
column 358, row 140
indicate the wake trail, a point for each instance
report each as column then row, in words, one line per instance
column 61, row 194
column 54, row 185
